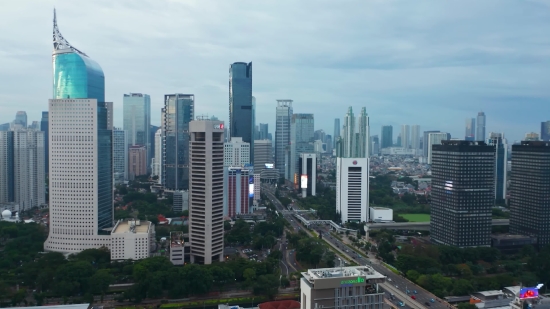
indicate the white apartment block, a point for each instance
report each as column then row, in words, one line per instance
column 352, row 189
column 236, row 152
column 435, row 139
column 132, row 240
column 81, row 169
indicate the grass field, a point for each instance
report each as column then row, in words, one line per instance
column 416, row 217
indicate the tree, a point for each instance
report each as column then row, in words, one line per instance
column 462, row 287
column 267, row 285
column 100, row 281
column 412, row 274
column 222, row 276
column 249, row 276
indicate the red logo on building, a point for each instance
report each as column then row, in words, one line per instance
column 354, row 162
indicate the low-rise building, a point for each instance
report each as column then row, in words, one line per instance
column 342, row 287
column 177, row 248
column 181, row 201
column 132, row 240
column 381, row 214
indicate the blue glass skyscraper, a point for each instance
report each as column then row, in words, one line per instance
column 241, row 110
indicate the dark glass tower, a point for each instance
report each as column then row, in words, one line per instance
column 44, row 128
column 241, row 113
column 545, row 131
column 462, row 193
column 530, row 190
column 387, row 137
column 178, row 111
column 501, row 160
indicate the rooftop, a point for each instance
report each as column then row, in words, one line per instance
column 131, row 226
column 340, row 272
column 491, row 293
column 176, row 239
column 381, row 208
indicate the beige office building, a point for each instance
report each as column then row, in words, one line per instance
column 342, row 287
column 206, row 145
column 137, row 161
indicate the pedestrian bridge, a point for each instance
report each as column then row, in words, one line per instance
column 418, row 226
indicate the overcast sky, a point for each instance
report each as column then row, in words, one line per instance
column 432, row 63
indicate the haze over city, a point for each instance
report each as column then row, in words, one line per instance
column 433, row 64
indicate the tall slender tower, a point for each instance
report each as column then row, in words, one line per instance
column 81, row 152
column 206, row 191
column 470, row 129
column 337, row 129
column 363, row 130
column 349, row 133
column 387, row 137
column 282, row 134
column 406, row 136
column 415, row 139
column 301, row 141
column 241, row 107
column 137, row 120
column 501, row 159
column 480, row 136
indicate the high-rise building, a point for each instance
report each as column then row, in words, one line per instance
column 435, row 139
column 181, row 201
column 463, row 193
column 531, row 136
column 152, row 131
column 529, row 187
column 337, row 129
column 307, row 166
column 406, row 136
column 425, row 143
column 319, row 135
column 206, row 191
column 415, row 138
column 386, row 137
column 282, row 134
column 263, row 129
column 137, row 120
column 120, row 155
column 545, row 130
column 470, row 129
column 21, row 119
column 362, row 141
column 328, row 141
column 342, row 287
column 236, row 152
column 7, row 176
column 501, row 159
column 374, row 145
column 349, row 134
column 157, row 159
column 4, row 126
column 137, row 161
column 301, row 140
column 81, row 153
column 352, row 189
column 238, row 193
column 480, row 135
column 241, row 111
column 262, row 153
column 44, row 128
column 178, row 111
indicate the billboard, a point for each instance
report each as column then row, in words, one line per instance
column 525, row 293
column 251, row 186
column 303, row 181
column 269, row 165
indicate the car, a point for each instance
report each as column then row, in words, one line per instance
column 432, row 300
column 389, row 279
column 415, row 292
column 408, row 292
column 413, row 297
column 396, row 286
column 401, row 304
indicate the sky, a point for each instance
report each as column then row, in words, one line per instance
column 431, row 63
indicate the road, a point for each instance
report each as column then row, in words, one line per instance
column 395, row 284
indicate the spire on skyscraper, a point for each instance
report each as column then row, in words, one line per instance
column 59, row 42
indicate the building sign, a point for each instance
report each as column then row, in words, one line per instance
column 269, row 165
column 218, row 126
column 351, row 282
column 251, row 186
column 526, row 293
column 303, row 181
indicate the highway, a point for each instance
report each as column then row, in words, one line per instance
column 395, row 284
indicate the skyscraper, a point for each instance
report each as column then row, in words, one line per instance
column 349, row 134
column 137, row 120
column 352, row 189
column 470, row 129
column 5, row 126
column 337, row 129
column 157, row 160
column 501, row 159
column 241, row 111
column 44, row 128
column 415, row 138
column 152, row 131
column 178, row 111
column 361, row 142
column 301, row 141
column 81, row 162
column 282, row 134
column 29, row 172
column 463, row 191
column 545, row 130
column 236, row 153
column 387, row 137
column 236, row 197
column 425, row 144
column 21, row 119
column 137, row 161
column 435, row 139
column 263, row 153
column 120, row 155
column 406, row 136
column 206, row 190
column 7, row 176
column 480, row 135
column 307, row 167
column 263, row 131
column 529, row 187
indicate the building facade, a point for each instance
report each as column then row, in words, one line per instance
column 236, row 152
column 137, row 161
column 425, row 144
column 181, row 201
column 137, row 120
column 21, row 119
column 178, row 111
column 463, row 188
column 282, row 134
column 337, row 130
column 480, row 132
column 501, row 159
column 120, row 155
column 263, row 155
column 263, row 131
column 301, row 141
column 44, row 128
column 415, row 139
column 307, row 166
column 352, row 193
column 206, row 191
column 406, row 136
column 7, row 176
column 238, row 192
column 470, row 134
column 435, row 139
column 545, row 131
column 348, row 134
column 356, row 287
column 362, row 139
column 132, row 240
column 529, row 189
column 241, row 109
column 157, row 157
column 386, row 137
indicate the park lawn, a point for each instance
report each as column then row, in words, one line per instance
column 416, row 217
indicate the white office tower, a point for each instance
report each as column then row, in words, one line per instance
column 352, row 189
column 405, row 136
column 415, row 139
column 282, row 135
column 435, row 139
column 307, row 165
column 236, row 152
column 362, row 149
column 120, row 155
column 157, row 159
column 206, row 158
column 81, row 170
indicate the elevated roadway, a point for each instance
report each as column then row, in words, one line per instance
column 419, row 226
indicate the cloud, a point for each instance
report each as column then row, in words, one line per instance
column 432, row 63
